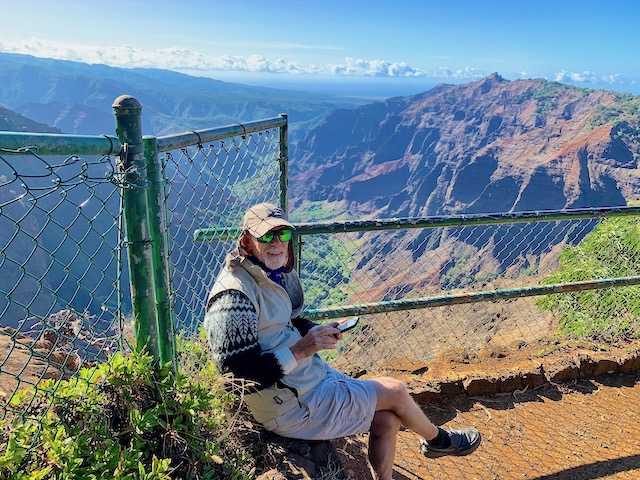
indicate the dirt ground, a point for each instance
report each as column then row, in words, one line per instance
column 545, row 412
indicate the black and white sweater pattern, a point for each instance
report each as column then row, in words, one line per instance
column 233, row 336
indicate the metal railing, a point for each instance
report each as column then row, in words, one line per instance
column 75, row 288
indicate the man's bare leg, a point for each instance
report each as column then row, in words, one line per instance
column 383, row 436
column 393, row 395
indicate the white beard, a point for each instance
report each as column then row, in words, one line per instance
column 273, row 263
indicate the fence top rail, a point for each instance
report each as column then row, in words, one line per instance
column 19, row 143
column 229, row 233
column 467, row 297
column 198, row 137
column 58, row 144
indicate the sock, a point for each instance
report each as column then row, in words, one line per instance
column 442, row 440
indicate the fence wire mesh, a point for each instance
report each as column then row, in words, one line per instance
column 211, row 185
column 361, row 268
column 62, row 300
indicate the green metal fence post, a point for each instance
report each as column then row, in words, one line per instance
column 131, row 163
column 160, row 252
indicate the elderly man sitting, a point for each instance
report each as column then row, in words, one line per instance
column 254, row 328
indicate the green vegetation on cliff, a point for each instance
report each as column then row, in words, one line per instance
column 611, row 250
column 626, row 109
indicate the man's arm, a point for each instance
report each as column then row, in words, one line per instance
column 303, row 325
column 231, row 323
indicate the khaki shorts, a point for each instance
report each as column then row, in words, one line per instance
column 338, row 407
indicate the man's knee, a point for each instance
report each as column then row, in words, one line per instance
column 384, row 423
column 390, row 387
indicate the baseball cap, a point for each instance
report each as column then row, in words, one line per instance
column 263, row 217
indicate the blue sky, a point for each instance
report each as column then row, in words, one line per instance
column 405, row 44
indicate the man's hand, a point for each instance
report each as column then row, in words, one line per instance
column 318, row 338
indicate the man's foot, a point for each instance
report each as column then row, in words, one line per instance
column 463, row 442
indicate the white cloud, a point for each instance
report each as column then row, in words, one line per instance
column 381, row 68
column 466, row 72
column 183, row 59
column 373, row 68
column 615, row 78
column 586, row 77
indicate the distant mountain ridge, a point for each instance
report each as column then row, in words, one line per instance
column 488, row 146
column 14, row 122
column 485, row 147
column 78, row 98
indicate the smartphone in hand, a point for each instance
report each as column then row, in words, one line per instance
column 348, row 325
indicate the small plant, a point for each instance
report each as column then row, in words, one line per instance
column 124, row 419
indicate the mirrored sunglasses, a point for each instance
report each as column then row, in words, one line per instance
column 283, row 235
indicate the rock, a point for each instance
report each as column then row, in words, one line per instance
column 302, row 460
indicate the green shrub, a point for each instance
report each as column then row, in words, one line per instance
column 545, row 95
column 625, row 110
column 123, row 419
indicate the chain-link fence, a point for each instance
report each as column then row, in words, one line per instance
column 425, row 288
column 64, row 279
column 210, row 183
column 446, row 305
column 486, row 279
